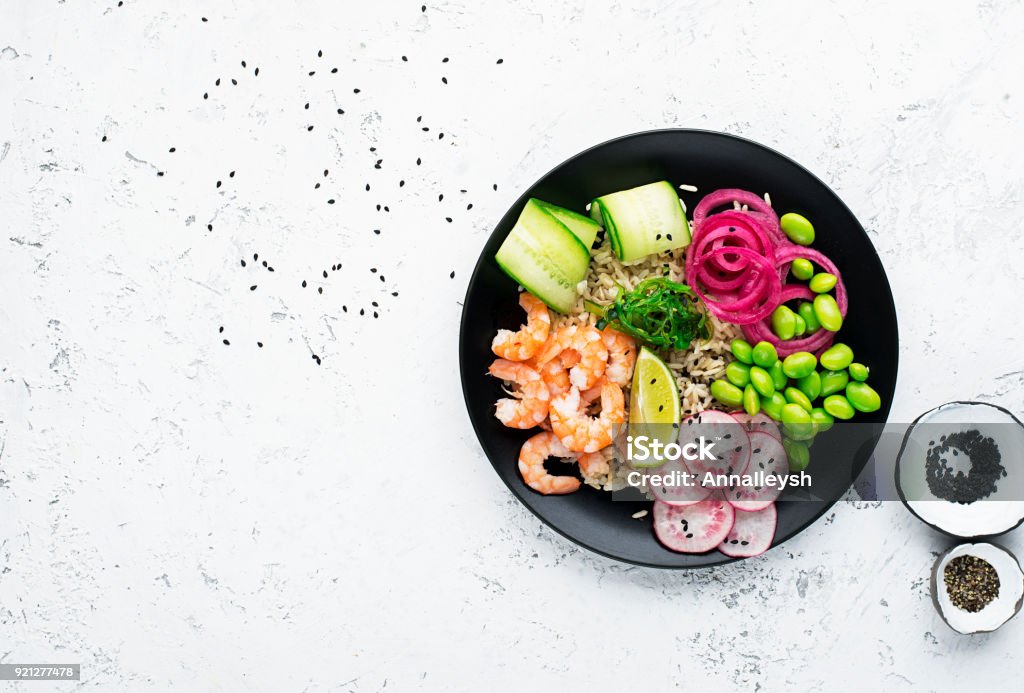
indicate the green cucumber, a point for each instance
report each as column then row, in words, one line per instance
column 645, row 220
column 584, row 228
column 545, row 257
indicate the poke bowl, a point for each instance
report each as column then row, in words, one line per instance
column 695, row 291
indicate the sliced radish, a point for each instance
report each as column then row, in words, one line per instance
column 758, row 422
column 693, row 528
column 731, row 446
column 679, row 494
column 767, row 458
column 751, row 533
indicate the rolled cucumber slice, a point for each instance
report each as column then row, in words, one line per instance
column 643, row 220
column 584, row 228
column 545, row 257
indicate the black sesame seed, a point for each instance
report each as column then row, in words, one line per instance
column 320, row 54
column 243, row 63
column 375, row 314
column 255, row 257
column 452, row 275
column 316, row 186
column 103, row 139
column 440, row 197
column 495, row 186
column 309, row 129
column 264, row 263
column 218, row 184
column 356, row 91
column 330, row 201
column 325, row 172
column 344, row 309
column 217, row 83
column 303, row 283
column 312, row 72
column 401, row 183
column 206, row 95
column 243, row 263
column 257, row 72
column 376, row 231
column 469, row 206
column 325, row 274
column 226, row 342
column 259, row 344
column 231, row 174
column 405, row 59
column 367, row 187
column 418, row 161
column 448, row 219
column 252, row 288
column 340, row 111
column 221, row 329
column 444, row 80
column 205, row 19
column 306, row 106
column 319, row 289
column 373, row 270
column 440, row 135
column 500, row 61
column 171, row 150
column 362, row 312
column 160, row 174
column 234, row 81
column 394, row 293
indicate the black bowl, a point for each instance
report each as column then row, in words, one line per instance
column 709, row 160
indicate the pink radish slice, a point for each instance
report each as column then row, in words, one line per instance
column 768, row 458
column 731, row 446
column 694, row 528
column 751, row 533
column 678, row 494
column 758, row 422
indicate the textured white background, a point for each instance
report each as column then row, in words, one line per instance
column 180, row 514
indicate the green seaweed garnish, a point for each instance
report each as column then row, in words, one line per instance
column 659, row 312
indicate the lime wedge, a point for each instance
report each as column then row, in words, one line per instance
column 654, row 403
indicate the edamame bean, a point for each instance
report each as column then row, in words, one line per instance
column 858, row 372
column 796, row 396
column 806, row 311
column 837, row 357
column 797, row 422
column 765, row 354
column 798, row 454
column 727, row 393
column 822, row 282
column 800, row 364
column 779, row 379
column 827, row 311
column 810, row 385
column 741, row 349
column 799, row 327
column 751, row 402
column 797, row 228
column 738, row 373
column 802, row 269
column 822, row 419
column 772, row 406
column 784, row 323
column 762, row 381
column 839, row 407
column 833, row 382
column 863, row 397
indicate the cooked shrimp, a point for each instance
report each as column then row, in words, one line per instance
column 531, row 465
column 522, row 345
column 581, row 432
column 594, row 464
column 555, row 375
column 621, row 356
column 528, row 405
column 582, row 348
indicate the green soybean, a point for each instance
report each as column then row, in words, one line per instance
column 765, row 355
column 839, row 407
column 800, row 364
column 738, row 373
column 797, row 422
column 741, row 349
column 727, row 393
column 810, row 385
column 806, row 311
column 772, row 406
column 863, row 397
column 797, row 396
column 797, row 228
column 822, row 282
column 837, row 357
column 827, row 311
column 822, row 419
column 802, row 269
column 858, row 372
column 751, row 402
column 798, row 454
column 779, row 379
column 762, row 381
column 833, row 382
column 799, row 326
column 784, row 323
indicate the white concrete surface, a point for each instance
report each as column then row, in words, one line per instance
column 177, row 514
